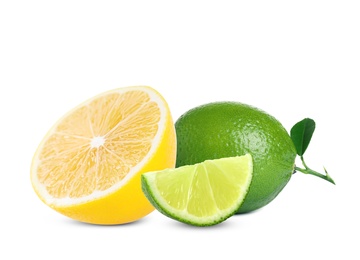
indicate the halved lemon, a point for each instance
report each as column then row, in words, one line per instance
column 202, row 194
column 88, row 166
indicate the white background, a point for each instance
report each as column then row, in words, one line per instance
column 293, row 59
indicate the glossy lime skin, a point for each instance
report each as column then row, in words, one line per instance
column 225, row 129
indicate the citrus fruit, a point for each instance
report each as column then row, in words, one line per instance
column 226, row 129
column 202, row 194
column 88, row 166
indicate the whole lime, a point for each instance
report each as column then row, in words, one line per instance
column 226, row 129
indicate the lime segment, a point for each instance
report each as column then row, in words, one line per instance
column 202, row 194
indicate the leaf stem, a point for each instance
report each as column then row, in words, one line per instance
column 307, row 170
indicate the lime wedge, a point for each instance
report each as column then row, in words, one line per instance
column 202, row 194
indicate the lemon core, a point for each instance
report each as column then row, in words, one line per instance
column 97, row 141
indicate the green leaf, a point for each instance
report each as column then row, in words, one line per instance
column 301, row 134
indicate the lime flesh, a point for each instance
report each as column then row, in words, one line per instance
column 203, row 194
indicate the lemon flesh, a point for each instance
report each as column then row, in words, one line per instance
column 203, row 194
